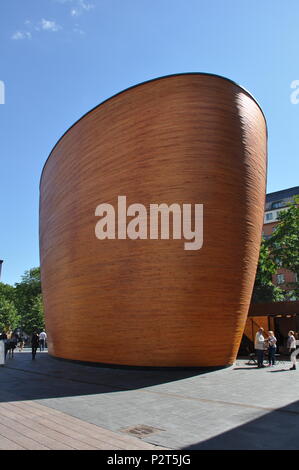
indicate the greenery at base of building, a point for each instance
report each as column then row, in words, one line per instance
column 280, row 250
column 21, row 305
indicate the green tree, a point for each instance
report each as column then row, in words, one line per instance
column 281, row 250
column 264, row 290
column 284, row 243
column 9, row 318
column 33, row 320
column 7, row 292
column 28, row 301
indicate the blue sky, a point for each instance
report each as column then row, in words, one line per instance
column 60, row 58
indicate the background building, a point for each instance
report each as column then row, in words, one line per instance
column 281, row 316
column 275, row 203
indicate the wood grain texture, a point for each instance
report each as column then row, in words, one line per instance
column 191, row 138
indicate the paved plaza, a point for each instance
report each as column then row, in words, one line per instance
column 54, row 404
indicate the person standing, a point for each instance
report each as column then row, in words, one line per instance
column 271, row 340
column 291, row 345
column 42, row 340
column 34, row 344
column 259, row 346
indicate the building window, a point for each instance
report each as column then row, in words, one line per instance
column 280, row 278
column 269, row 216
column 277, row 205
column 295, row 277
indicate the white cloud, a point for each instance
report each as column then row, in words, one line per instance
column 80, row 3
column 86, row 6
column 19, row 35
column 80, row 7
column 47, row 25
column 79, row 31
column 31, row 27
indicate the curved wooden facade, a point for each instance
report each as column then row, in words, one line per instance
column 186, row 139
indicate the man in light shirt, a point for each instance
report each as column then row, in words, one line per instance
column 259, row 345
column 291, row 345
column 42, row 340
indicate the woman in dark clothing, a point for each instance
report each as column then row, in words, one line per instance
column 34, row 344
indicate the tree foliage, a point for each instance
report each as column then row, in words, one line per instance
column 9, row 317
column 284, row 242
column 22, row 304
column 264, row 289
column 280, row 250
column 33, row 319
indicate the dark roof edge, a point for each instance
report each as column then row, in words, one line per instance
column 148, row 81
column 288, row 191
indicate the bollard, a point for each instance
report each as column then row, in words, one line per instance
column 2, row 353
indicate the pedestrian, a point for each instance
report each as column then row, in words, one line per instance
column 42, row 340
column 271, row 341
column 34, row 344
column 21, row 342
column 259, row 345
column 13, row 344
column 291, row 345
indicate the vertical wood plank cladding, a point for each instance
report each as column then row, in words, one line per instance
column 187, row 138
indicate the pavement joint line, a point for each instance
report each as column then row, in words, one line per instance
column 126, row 444
column 11, row 440
column 121, row 437
column 59, row 432
column 22, row 408
column 53, row 438
column 41, row 421
column 116, row 436
column 173, row 395
column 40, row 444
column 28, row 427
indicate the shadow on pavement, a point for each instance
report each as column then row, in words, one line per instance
column 277, row 430
column 46, row 377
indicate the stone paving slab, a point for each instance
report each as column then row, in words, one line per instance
column 241, row 407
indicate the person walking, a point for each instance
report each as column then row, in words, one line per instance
column 259, row 346
column 21, row 342
column 291, row 345
column 42, row 340
column 271, row 341
column 34, row 344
